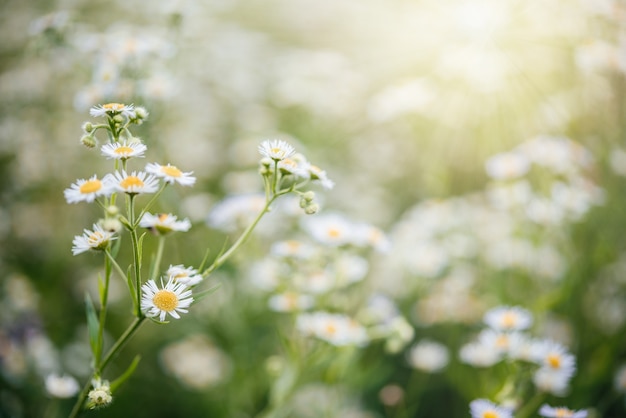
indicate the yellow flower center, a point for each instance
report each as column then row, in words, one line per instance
column 331, row 328
column 90, row 186
column 181, row 275
column 131, row 181
column 162, row 217
column 171, row 171
column 554, row 361
column 509, row 320
column 334, row 233
column 95, row 238
column 165, row 300
column 123, row 150
column 502, row 341
column 114, row 107
column 490, row 414
column 563, row 413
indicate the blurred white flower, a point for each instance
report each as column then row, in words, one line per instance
column 112, row 109
column 164, row 223
column 429, row 356
column 185, row 275
column 561, row 412
column 289, row 302
column 337, row 329
column 508, row 318
column 507, row 166
column 61, row 386
column 235, row 212
column 482, row 408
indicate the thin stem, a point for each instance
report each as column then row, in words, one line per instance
column 119, row 344
column 135, row 222
column 136, row 253
column 531, row 405
column 104, row 296
column 242, row 238
column 157, row 260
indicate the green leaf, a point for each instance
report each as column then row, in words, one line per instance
column 92, row 325
column 115, row 248
column 131, row 284
column 101, row 289
column 204, row 293
column 128, row 373
column 205, row 259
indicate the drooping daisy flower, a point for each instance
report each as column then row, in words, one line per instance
column 100, row 395
column 134, row 183
column 164, row 223
column 319, row 174
column 112, row 109
column 185, row 275
column 429, row 356
column 61, row 386
column 482, row 408
column 276, row 149
column 506, row 318
column 171, row 174
column 124, row 150
column 172, row 299
column 561, row 412
column 87, row 190
column 98, row 239
column 291, row 166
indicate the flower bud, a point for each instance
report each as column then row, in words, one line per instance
column 112, row 210
column 118, row 119
column 308, row 196
column 112, row 225
column 88, row 141
column 88, row 127
column 141, row 113
column 311, row 208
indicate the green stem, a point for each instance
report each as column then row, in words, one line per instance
column 119, row 344
column 242, row 238
column 135, row 222
column 157, row 260
column 104, row 296
column 130, row 212
column 531, row 406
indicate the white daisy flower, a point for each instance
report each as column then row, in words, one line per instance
column 330, row 229
column 172, row 299
column 164, row 223
column 555, row 357
column 134, row 183
column 87, row 190
column 171, row 174
column 337, row 329
column 276, row 149
column 560, row 412
column 112, row 109
column 479, row 355
column 289, row 302
column 507, row 166
column 554, row 382
column 61, row 386
column 482, row 408
column 319, row 174
column 292, row 248
column 506, row 318
column 98, row 239
column 429, row 356
column 185, row 275
column 295, row 167
column 124, row 150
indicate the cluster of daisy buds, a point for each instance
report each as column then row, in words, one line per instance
column 285, row 171
column 119, row 116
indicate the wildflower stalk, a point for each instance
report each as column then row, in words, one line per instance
column 531, row 406
column 119, row 344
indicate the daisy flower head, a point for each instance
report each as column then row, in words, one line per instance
column 87, row 190
column 555, row 358
column 560, row 412
column 507, row 318
column 164, row 223
column 320, row 175
column 98, row 239
column 336, row 329
column 289, row 302
column 100, row 395
column 124, row 150
column 185, row 275
column 276, row 149
column 171, row 174
column 171, row 299
column 292, row 166
column 112, row 109
column 138, row 182
column 482, row 408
